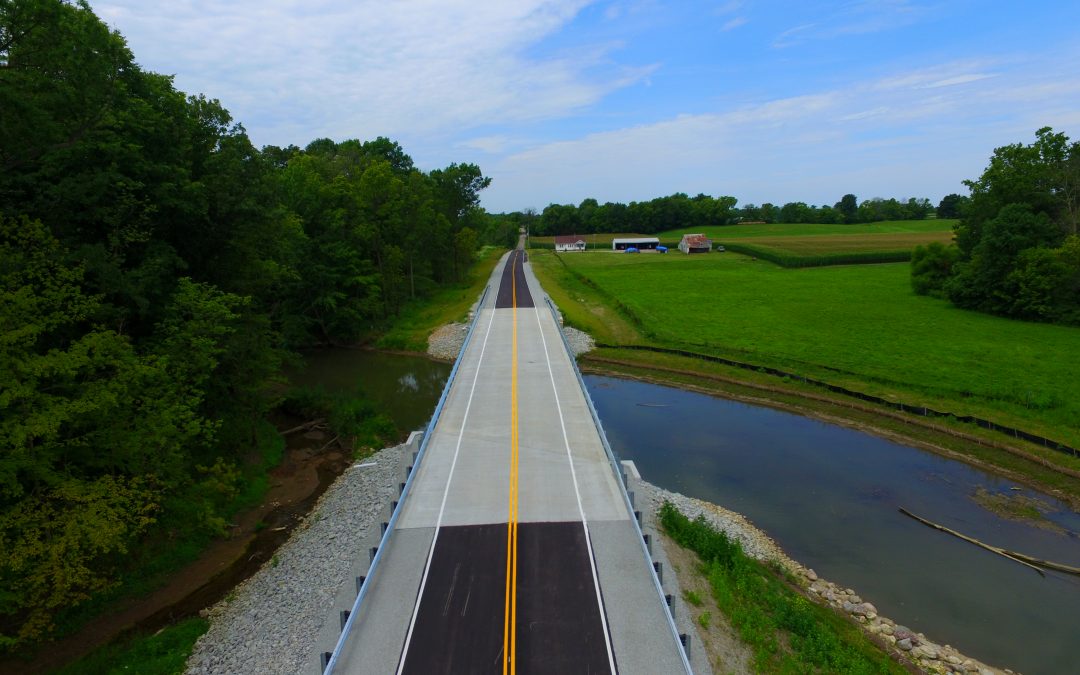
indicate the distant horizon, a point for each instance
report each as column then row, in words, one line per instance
column 628, row 100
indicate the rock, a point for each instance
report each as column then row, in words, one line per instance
column 926, row 651
column 811, row 575
column 886, row 629
column 904, row 644
column 864, row 609
column 953, row 659
column 855, row 598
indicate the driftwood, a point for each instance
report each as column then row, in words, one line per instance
column 1048, row 564
column 306, row 426
column 1000, row 551
column 329, row 442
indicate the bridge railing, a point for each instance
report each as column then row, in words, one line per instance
column 373, row 568
column 614, row 462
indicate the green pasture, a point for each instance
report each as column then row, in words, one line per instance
column 859, row 326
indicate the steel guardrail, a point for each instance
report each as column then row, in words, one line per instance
column 614, row 462
column 373, row 568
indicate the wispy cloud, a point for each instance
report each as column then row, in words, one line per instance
column 855, row 18
column 371, row 67
column 732, row 24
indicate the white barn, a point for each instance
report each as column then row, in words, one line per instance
column 570, row 242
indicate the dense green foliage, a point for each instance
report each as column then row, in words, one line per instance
column 155, row 269
column 931, row 267
column 163, row 653
column 692, row 214
column 787, row 632
column 859, row 326
column 1018, row 249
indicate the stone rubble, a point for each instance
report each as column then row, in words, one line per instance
column 925, row 654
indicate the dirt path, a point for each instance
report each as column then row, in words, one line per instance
column 294, row 488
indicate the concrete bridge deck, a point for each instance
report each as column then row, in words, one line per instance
column 514, row 550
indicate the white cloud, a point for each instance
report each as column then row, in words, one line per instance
column 365, row 68
column 910, row 134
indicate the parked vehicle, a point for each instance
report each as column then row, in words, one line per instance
column 632, row 249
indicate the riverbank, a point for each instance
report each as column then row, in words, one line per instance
column 902, row 643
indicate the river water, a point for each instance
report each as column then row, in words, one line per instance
column 829, row 496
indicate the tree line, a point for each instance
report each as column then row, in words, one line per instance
column 1017, row 250
column 680, row 211
column 155, row 270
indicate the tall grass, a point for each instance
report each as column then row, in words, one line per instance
column 787, row 632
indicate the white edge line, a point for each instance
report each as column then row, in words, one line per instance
column 577, row 493
column 442, row 507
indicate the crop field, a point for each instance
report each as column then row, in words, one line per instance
column 725, row 232
column 859, row 326
column 817, row 244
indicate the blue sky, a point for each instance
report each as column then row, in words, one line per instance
column 559, row 100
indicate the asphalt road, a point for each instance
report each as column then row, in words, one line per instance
column 515, row 551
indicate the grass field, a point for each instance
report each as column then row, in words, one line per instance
column 858, row 326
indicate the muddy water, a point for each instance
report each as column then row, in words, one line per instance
column 405, row 387
column 829, row 496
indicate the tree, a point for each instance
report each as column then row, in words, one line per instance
column 951, row 206
column 848, row 206
column 931, row 267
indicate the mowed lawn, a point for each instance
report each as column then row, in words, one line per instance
column 858, row 325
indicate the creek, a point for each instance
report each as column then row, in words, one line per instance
column 829, row 496
column 404, row 387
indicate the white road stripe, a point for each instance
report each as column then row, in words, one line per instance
column 442, row 507
column 577, row 493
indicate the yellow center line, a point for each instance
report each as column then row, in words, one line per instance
column 510, row 617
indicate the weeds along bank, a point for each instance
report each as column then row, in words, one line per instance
column 859, row 327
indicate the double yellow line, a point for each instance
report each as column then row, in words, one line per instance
column 510, row 617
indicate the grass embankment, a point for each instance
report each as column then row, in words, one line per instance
column 859, row 327
column 787, row 632
column 410, row 330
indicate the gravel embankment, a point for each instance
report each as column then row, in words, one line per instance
column 929, row 656
column 445, row 343
column 271, row 622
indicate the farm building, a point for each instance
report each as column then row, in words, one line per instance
column 695, row 243
column 569, row 242
column 640, row 243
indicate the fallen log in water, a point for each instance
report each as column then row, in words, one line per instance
column 1000, row 551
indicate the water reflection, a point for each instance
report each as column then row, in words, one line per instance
column 829, row 496
column 405, row 387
